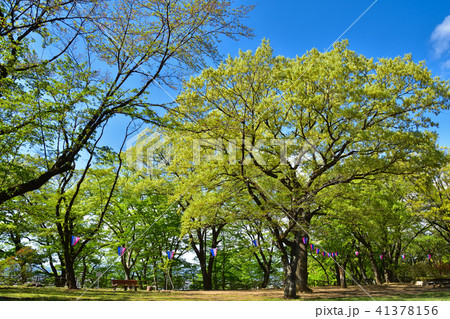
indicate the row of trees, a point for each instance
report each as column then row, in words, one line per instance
column 384, row 217
column 260, row 147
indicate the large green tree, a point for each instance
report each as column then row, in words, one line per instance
column 76, row 206
column 289, row 130
column 109, row 54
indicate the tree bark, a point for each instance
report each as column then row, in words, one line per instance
column 70, row 274
column 337, row 271
column 265, row 263
column 302, row 268
column 324, row 270
column 373, row 264
column 207, row 280
column 68, row 258
column 389, row 275
column 290, row 279
column 302, row 254
column 266, row 278
column 165, row 280
column 289, row 258
column 83, row 275
column 362, row 270
column 375, row 269
column 342, row 278
column 128, row 261
column 60, row 279
column 154, row 276
column 202, row 252
column 126, row 268
column 201, row 255
column 223, row 267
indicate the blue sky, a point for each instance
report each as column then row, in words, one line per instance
column 388, row 29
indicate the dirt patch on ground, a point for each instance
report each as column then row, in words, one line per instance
column 332, row 292
column 394, row 292
column 322, row 293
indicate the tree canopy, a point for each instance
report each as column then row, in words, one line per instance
column 56, row 106
column 257, row 175
column 289, row 130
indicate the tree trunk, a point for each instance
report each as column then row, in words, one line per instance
column 141, row 282
column 202, row 251
column 144, row 273
column 16, row 239
column 127, row 264
column 389, row 275
column 362, row 270
column 60, row 280
column 206, row 271
column 223, row 268
column 266, row 265
column 70, row 274
column 383, row 268
column 342, row 278
column 337, row 271
column 290, row 282
column 83, row 275
column 324, row 270
column 171, row 278
column 206, row 275
column 154, row 276
column 207, row 280
column 214, row 277
column 23, row 272
column 165, row 280
column 386, row 276
column 302, row 267
column 289, row 258
column 69, row 266
column 266, row 278
column 127, row 271
column 376, row 272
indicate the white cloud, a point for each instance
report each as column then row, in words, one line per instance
column 446, row 65
column 440, row 38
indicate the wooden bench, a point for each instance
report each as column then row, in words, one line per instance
column 440, row 282
column 124, row 283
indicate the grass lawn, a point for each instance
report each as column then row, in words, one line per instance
column 399, row 292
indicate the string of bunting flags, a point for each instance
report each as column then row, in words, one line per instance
column 403, row 256
column 335, row 254
column 255, row 243
column 74, row 240
column 170, row 254
column 317, row 250
column 121, row 250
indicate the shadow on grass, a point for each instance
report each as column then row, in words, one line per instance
column 426, row 296
column 9, row 293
